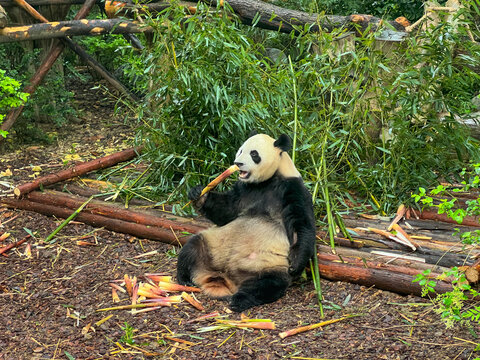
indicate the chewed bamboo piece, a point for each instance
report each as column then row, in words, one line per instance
column 310, row 327
column 219, row 179
column 232, row 169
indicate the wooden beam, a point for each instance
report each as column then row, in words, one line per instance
column 78, row 170
column 11, row 3
column 59, row 29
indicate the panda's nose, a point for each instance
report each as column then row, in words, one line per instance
column 239, row 164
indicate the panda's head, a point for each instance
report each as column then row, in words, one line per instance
column 261, row 156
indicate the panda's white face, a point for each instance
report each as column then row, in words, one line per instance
column 258, row 158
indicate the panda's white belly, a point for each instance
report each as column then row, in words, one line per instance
column 249, row 244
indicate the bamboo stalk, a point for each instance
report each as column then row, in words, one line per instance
column 67, row 220
column 299, row 330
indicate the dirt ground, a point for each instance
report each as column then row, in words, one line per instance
column 48, row 300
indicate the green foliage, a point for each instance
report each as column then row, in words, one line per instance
column 10, row 96
column 210, row 88
column 362, row 121
column 425, row 281
column 118, row 56
column 50, row 103
column 127, row 337
column 454, row 306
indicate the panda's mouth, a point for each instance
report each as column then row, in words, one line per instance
column 244, row 175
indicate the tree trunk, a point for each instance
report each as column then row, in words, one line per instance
column 70, row 28
column 285, row 20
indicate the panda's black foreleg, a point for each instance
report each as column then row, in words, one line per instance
column 265, row 288
column 187, row 260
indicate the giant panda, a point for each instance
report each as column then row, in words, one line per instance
column 264, row 232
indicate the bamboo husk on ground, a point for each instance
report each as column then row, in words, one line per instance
column 77, row 170
column 13, row 245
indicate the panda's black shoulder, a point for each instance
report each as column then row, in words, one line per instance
column 292, row 187
column 295, row 189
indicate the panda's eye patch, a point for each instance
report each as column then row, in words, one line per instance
column 255, row 157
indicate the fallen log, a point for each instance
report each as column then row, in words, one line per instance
column 369, row 239
column 78, row 170
column 363, row 256
column 286, row 20
column 433, row 215
column 380, row 278
column 436, row 229
column 371, row 264
column 127, row 9
column 472, row 273
column 115, row 212
column 126, row 227
column 270, row 17
column 58, row 29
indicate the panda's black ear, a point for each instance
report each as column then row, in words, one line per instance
column 283, row 142
column 252, row 133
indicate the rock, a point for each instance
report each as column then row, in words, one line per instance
column 476, row 102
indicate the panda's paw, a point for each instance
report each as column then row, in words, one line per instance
column 194, row 196
column 241, row 301
column 194, row 193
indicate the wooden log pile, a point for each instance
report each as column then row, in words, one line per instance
column 372, row 257
column 269, row 17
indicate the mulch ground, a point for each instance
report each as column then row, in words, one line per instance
column 49, row 298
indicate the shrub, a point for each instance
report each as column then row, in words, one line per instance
column 361, row 120
column 10, row 96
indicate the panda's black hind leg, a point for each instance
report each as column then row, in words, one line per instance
column 188, row 259
column 265, row 288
